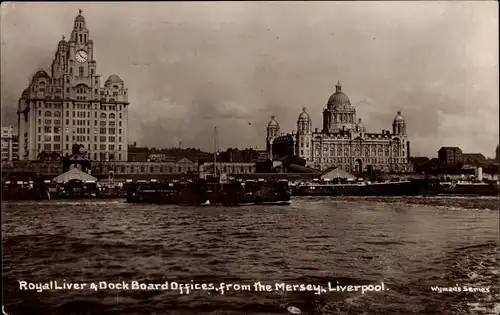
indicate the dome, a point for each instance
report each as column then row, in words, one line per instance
column 304, row 115
column 399, row 118
column 114, row 79
column 273, row 122
column 40, row 74
column 79, row 17
column 63, row 41
column 338, row 98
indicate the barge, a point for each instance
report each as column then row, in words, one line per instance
column 413, row 187
column 361, row 188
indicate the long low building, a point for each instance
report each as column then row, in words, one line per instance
column 126, row 169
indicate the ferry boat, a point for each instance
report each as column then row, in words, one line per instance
column 210, row 192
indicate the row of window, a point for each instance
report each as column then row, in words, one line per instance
column 118, row 107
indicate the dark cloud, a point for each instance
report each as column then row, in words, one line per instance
column 191, row 66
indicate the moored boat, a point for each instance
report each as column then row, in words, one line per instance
column 209, row 192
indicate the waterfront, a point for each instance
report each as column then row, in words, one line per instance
column 409, row 243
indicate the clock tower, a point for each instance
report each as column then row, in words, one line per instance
column 70, row 106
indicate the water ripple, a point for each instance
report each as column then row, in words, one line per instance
column 410, row 244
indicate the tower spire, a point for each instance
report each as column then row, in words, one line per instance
column 80, row 11
column 338, row 87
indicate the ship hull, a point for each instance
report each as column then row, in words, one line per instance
column 230, row 194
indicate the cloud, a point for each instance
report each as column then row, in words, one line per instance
column 191, row 66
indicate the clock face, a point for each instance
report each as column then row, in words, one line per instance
column 81, row 56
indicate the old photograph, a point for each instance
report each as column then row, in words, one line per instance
column 253, row 157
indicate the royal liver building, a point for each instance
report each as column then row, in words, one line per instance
column 70, row 106
column 343, row 142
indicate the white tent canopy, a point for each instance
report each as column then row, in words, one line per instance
column 74, row 173
column 338, row 173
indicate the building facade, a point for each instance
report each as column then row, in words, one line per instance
column 70, row 105
column 10, row 144
column 343, row 141
column 450, row 156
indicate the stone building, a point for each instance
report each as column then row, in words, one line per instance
column 10, row 144
column 450, row 156
column 71, row 106
column 343, row 141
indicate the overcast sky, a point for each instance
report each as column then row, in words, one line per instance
column 190, row 66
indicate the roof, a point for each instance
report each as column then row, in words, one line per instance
column 304, row 115
column 184, row 160
column 114, row 79
column 73, row 173
column 301, row 169
column 474, row 156
column 338, row 98
column 449, row 148
column 338, row 173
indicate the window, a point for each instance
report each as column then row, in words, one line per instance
column 57, row 147
column 48, row 114
column 67, row 121
column 57, row 129
column 103, row 131
column 120, row 131
column 103, row 123
column 71, row 72
column 102, row 138
column 120, row 139
column 111, row 147
column 111, row 131
column 67, row 138
column 48, row 121
column 111, row 139
column 92, row 72
column 102, row 147
column 112, row 123
column 103, row 115
column 47, row 138
column 47, row 146
column 57, row 138
column 95, row 146
column 120, row 147
column 80, row 71
column 111, row 116
column 47, row 129
column 57, row 114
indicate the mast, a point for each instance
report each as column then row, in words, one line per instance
column 215, row 151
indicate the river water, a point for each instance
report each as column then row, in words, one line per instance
column 409, row 244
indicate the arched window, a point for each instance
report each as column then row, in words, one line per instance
column 103, row 115
column 115, row 86
column 111, row 116
column 57, row 114
column 48, row 114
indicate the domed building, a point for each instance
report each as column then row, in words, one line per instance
column 343, row 141
column 70, row 106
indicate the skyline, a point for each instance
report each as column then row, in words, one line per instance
column 193, row 66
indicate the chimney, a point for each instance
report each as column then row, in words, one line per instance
column 135, row 144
